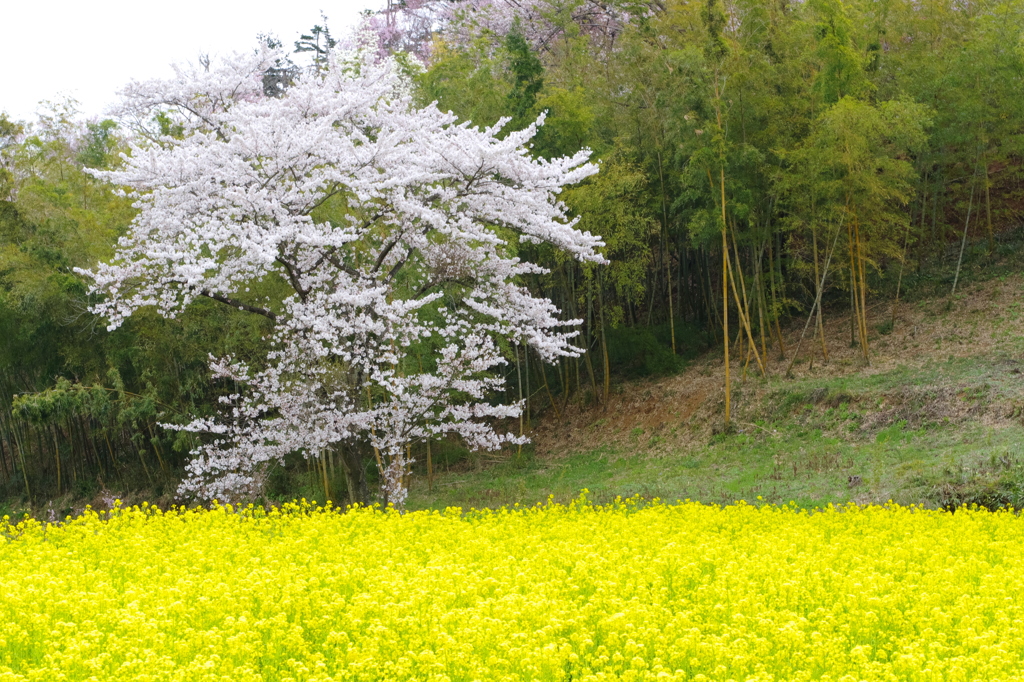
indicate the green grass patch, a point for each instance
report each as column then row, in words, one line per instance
column 914, row 435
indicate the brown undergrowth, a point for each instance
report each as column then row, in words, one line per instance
column 680, row 413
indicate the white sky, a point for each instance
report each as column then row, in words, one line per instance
column 89, row 49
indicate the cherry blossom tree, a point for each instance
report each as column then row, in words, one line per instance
column 408, row 26
column 392, row 228
column 411, row 25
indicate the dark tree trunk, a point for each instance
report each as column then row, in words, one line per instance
column 353, row 463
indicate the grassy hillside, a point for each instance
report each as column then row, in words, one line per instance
column 937, row 418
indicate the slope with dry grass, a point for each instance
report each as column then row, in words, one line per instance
column 934, row 417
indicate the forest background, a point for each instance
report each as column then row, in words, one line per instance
column 761, row 161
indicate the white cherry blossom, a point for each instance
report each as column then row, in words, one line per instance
column 421, row 255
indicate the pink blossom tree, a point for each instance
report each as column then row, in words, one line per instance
column 418, row 253
column 411, row 25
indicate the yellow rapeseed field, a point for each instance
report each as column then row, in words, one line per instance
column 578, row 592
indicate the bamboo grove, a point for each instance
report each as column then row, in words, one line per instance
column 764, row 163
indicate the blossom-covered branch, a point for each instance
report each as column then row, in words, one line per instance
column 395, row 228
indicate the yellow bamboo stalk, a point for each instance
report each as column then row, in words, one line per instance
column 725, row 293
column 759, row 284
column 817, row 284
column 863, row 294
column 744, row 320
column 323, row 472
column 854, row 298
column 430, row 469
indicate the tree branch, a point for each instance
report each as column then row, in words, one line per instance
column 385, row 252
column 238, row 304
column 465, row 280
column 293, row 274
